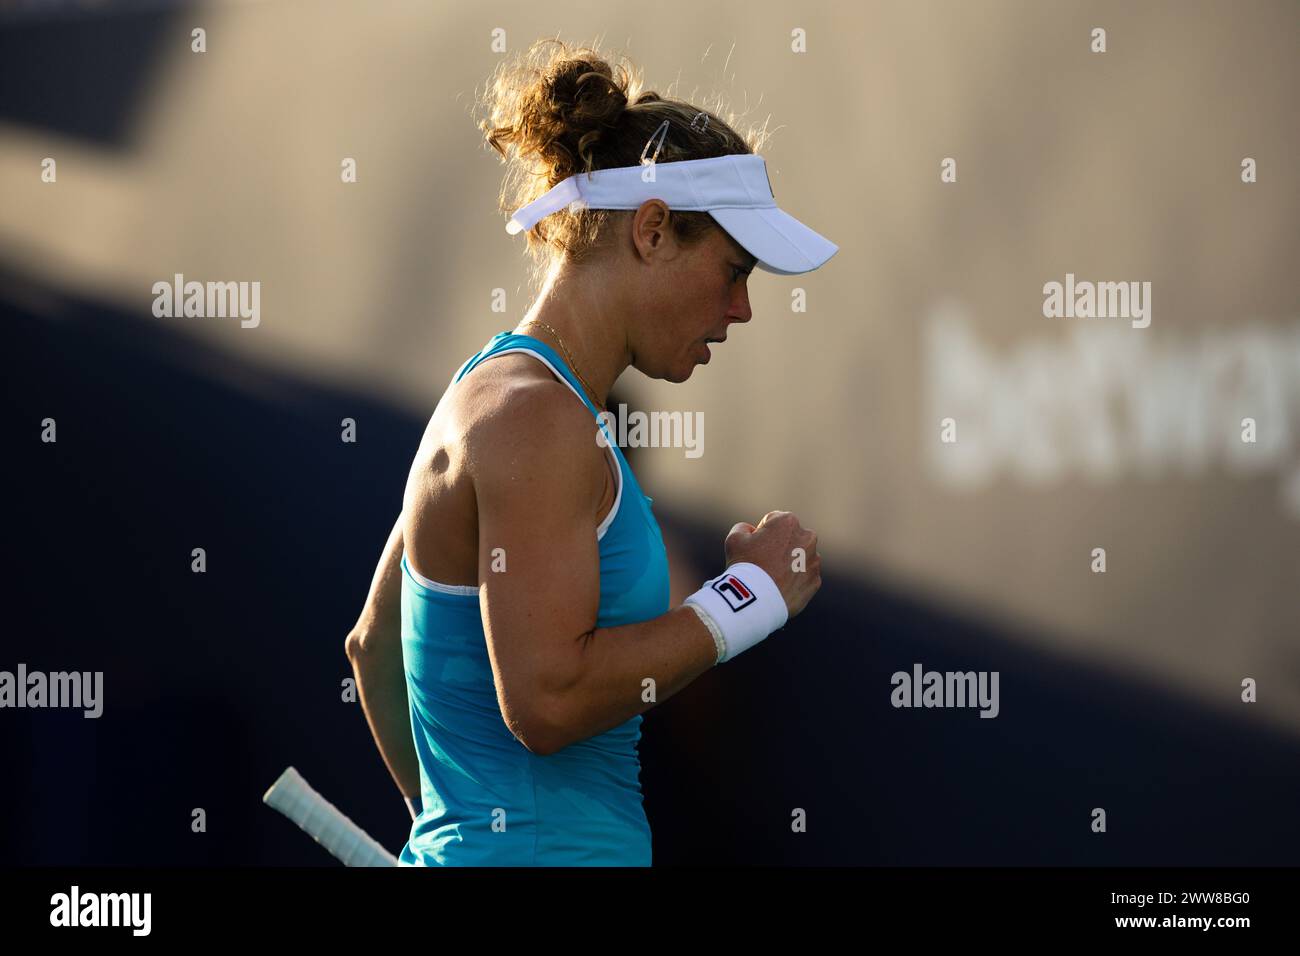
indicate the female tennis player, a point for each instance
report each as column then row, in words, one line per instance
column 518, row 624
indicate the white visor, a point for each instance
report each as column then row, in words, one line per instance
column 733, row 189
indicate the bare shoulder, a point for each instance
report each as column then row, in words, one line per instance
column 521, row 424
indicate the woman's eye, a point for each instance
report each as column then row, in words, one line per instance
column 736, row 273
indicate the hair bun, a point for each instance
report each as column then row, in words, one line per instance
column 585, row 92
column 585, row 99
column 555, row 106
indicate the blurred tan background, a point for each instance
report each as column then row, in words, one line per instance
column 1073, row 434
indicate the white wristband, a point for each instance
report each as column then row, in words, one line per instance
column 718, row 643
column 744, row 604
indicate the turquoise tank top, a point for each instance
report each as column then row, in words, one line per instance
column 488, row 800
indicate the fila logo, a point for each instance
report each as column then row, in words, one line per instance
column 734, row 592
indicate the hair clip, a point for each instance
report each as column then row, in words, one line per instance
column 697, row 125
column 659, row 134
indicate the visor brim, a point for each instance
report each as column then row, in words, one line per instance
column 781, row 243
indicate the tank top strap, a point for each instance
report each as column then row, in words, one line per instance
column 505, row 342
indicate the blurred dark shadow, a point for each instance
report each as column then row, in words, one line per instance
column 215, row 682
column 82, row 72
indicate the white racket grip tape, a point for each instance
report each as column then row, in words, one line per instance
column 325, row 823
column 744, row 603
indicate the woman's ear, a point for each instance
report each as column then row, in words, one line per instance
column 652, row 234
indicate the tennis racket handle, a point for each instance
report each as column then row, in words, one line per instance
column 325, row 823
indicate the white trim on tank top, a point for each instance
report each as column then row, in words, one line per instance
column 433, row 585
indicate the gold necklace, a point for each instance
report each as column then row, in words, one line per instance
column 568, row 357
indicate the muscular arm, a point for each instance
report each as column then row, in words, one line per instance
column 538, row 479
column 375, row 649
